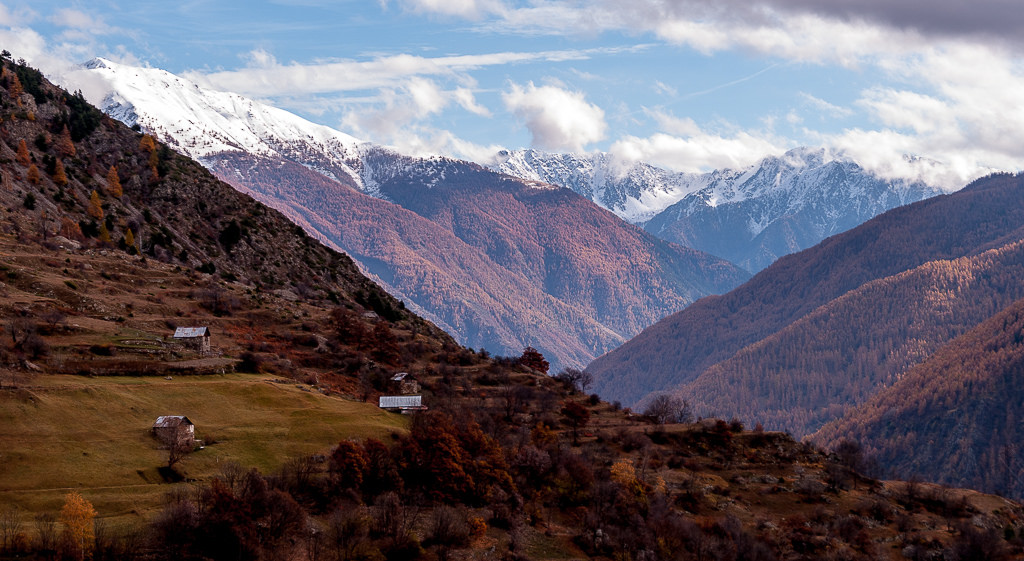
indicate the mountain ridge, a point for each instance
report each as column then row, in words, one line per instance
column 487, row 267
column 749, row 216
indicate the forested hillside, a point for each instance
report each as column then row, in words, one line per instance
column 498, row 263
column 956, row 417
column 838, row 356
column 676, row 351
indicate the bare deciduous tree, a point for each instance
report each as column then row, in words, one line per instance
column 666, row 408
column 10, row 526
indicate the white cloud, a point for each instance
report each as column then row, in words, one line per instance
column 471, row 9
column 665, row 89
column 695, row 153
column 77, row 19
column 966, row 122
column 465, row 98
column 674, row 125
column 266, row 77
column 823, row 106
column 557, row 119
column 17, row 18
column 400, row 117
column 426, row 97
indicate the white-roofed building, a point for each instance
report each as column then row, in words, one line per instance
column 196, row 337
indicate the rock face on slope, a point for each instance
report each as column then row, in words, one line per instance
column 499, row 262
column 750, row 217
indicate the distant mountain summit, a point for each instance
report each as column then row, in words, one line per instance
column 497, row 261
column 750, row 216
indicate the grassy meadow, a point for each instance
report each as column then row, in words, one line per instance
column 92, row 434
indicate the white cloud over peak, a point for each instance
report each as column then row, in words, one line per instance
column 698, row 152
column 264, row 76
column 77, row 19
column 558, row 119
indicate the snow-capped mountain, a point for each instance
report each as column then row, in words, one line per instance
column 499, row 262
column 749, row 216
column 636, row 193
column 201, row 123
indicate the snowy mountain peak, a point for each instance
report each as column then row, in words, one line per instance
column 636, row 193
column 750, row 216
column 202, row 123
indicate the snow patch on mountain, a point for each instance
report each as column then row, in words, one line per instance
column 750, row 216
column 201, row 123
column 635, row 193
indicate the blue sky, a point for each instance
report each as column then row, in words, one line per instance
column 686, row 84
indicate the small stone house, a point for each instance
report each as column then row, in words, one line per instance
column 197, row 338
column 404, row 383
column 171, row 429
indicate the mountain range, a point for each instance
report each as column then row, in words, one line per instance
column 750, row 216
column 499, row 262
column 904, row 328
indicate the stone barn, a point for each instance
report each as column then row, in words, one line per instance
column 174, row 429
column 404, row 384
column 197, row 338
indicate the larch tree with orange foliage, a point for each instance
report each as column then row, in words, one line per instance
column 129, row 241
column 147, row 143
column 104, row 237
column 15, row 89
column 23, row 156
column 77, row 516
column 33, row 174
column 64, row 144
column 154, row 161
column 114, row 182
column 70, row 229
column 95, row 208
column 60, row 177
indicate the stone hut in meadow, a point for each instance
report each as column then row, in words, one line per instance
column 174, row 429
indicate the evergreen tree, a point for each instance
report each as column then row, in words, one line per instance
column 104, row 235
column 147, row 143
column 129, row 241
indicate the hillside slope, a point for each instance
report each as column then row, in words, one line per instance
column 839, row 355
column 956, row 417
column 987, row 214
